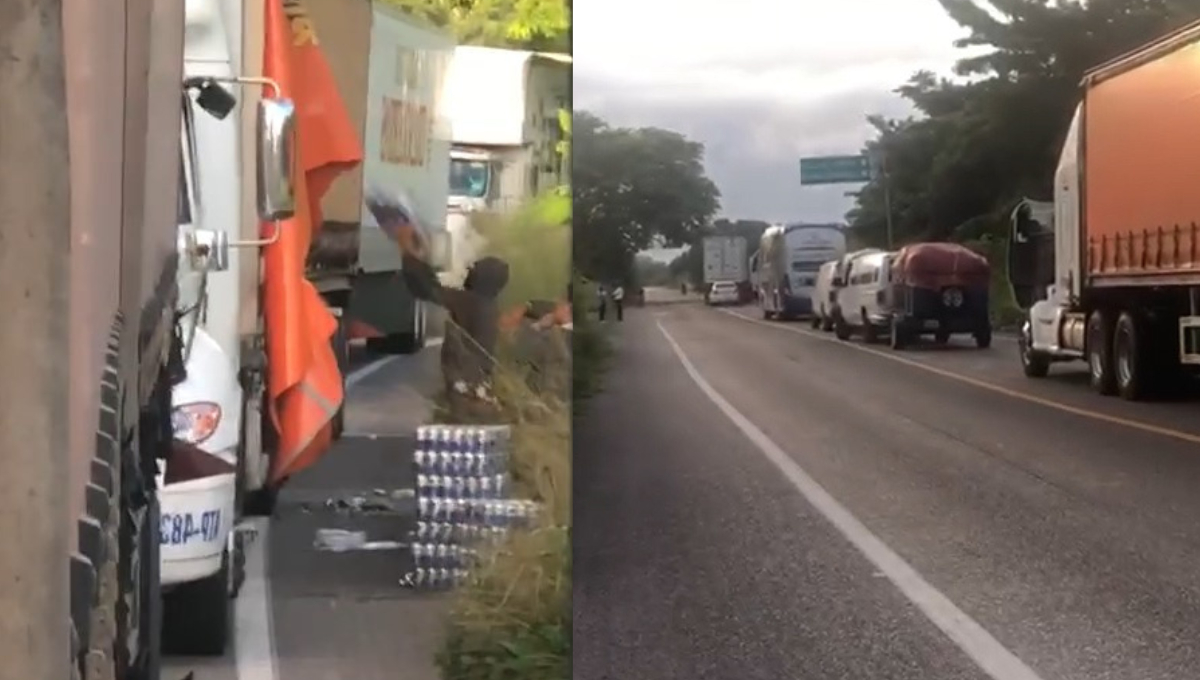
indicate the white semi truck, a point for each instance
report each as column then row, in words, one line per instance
column 238, row 147
column 503, row 107
column 391, row 71
column 1110, row 273
column 99, row 474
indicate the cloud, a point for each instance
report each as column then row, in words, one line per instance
column 761, row 83
column 753, row 148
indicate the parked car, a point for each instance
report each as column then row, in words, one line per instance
column 861, row 297
column 825, row 297
column 723, row 293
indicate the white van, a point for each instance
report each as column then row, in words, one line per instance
column 824, row 298
column 861, row 304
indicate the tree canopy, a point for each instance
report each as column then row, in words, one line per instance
column 543, row 25
column 983, row 141
column 634, row 188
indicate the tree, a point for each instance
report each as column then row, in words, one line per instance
column 634, row 187
column 976, row 147
column 543, row 25
column 651, row 272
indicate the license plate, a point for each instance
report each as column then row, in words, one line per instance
column 189, row 527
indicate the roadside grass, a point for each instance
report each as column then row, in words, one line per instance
column 1006, row 315
column 512, row 620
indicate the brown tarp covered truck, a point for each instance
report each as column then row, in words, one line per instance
column 939, row 289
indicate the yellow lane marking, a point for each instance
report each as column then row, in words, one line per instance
column 983, row 384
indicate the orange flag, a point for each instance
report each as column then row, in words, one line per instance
column 305, row 386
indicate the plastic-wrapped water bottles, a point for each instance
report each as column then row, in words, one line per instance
column 462, row 489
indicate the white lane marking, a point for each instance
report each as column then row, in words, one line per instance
column 361, row 373
column 978, row 644
column 254, row 648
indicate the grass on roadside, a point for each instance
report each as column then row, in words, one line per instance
column 512, row 621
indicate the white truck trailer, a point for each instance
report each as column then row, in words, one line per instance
column 503, row 106
column 725, row 259
column 1112, row 274
column 391, row 72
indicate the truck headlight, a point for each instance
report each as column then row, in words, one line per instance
column 195, row 422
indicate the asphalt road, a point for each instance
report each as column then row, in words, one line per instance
column 309, row 614
column 755, row 500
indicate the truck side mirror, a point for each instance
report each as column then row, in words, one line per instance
column 276, row 159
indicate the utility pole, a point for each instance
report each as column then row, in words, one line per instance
column 880, row 167
column 887, row 197
column 35, row 224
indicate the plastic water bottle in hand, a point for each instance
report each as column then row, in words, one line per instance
column 396, row 214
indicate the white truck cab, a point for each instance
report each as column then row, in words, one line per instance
column 200, row 544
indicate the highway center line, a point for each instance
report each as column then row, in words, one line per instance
column 983, row 384
column 361, row 373
column 976, row 642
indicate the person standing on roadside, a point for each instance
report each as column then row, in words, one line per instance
column 618, row 296
column 601, row 300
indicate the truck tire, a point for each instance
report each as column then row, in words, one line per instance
column 870, row 333
column 1099, row 342
column 1033, row 363
column 197, row 616
column 898, row 339
column 1129, row 358
column 983, row 337
column 827, row 323
column 941, row 337
column 841, row 329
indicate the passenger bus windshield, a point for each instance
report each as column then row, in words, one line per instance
column 469, row 178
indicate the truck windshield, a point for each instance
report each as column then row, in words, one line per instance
column 469, row 178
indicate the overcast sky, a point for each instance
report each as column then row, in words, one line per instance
column 760, row 82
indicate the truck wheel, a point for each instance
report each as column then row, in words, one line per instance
column 1099, row 353
column 941, row 337
column 1129, row 360
column 197, row 616
column 898, row 338
column 841, row 329
column 827, row 323
column 870, row 333
column 1033, row 363
column 983, row 337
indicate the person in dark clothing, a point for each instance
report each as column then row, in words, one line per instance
column 602, row 308
column 683, row 288
column 469, row 342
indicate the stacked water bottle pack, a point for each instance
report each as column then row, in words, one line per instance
column 462, row 500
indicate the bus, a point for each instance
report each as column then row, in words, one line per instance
column 790, row 255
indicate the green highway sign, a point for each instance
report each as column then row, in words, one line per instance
column 835, row 170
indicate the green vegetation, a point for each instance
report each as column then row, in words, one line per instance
column 543, row 25
column 980, row 143
column 634, row 188
column 513, row 619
